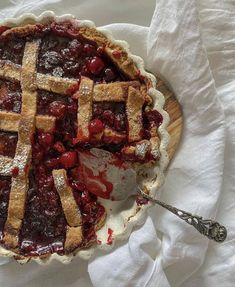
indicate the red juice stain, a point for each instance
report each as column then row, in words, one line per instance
column 141, row 200
column 94, row 183
column 110, row 236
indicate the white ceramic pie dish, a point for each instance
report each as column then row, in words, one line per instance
column 122, row 216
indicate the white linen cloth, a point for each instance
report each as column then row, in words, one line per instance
column 191, row 44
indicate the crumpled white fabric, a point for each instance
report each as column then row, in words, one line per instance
column 191, row 45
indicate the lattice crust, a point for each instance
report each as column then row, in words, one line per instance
column 73, row 239
column 5, row 165
column 132, row 93
column 134, row 106
column 22, row 159
column 87, row 94
column 9, row 121
column 114, row 92
column 85, row 98
column 72, row 214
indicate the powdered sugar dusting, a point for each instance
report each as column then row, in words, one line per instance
column 122, row 215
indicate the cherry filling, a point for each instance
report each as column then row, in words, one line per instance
column 63, row 53
column 44, row 224
column 8, row 143
column 73, row 58
column 10, row 96
column 112, row 115
column 12, row 49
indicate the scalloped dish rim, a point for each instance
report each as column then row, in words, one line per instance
column 124, row 220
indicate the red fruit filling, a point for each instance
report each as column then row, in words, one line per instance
column 10, row 96
column 96, row 65
column 96, row 126
column 63, row 53
column 68, row 159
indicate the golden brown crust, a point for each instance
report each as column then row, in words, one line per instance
column 74, row 238
column 9, row 121
column 133, row 92
column 84, row 115
column 45, row 123
column 113, row 92
column 111, row 136
column 22, row 31
column 22, row 159
column 134, row 106
column 19, row 187
column 5, row 165
column 70, row 208
column 10, row 71
column 29, row 62
column 54, row 84
column 118, row 55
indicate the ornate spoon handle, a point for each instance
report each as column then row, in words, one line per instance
column 211, row 229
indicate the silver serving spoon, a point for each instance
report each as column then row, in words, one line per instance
column 209, row 228
column 123, row 179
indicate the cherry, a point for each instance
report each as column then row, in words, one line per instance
column 109, row 75
column 58, row 146
column 96, row 126
column 46, row 139
column 57, row 109
column 68, row 159
column 108, row 117
column 154, row 117
column 96, row 65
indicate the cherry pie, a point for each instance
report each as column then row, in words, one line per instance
column 64, row 89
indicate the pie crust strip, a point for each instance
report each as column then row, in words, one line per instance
column 74, row 235
column 134, row 106
column 22, row 159
column 84, row 114
column 5, row 165
column 9, row 121
column 113, row 92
